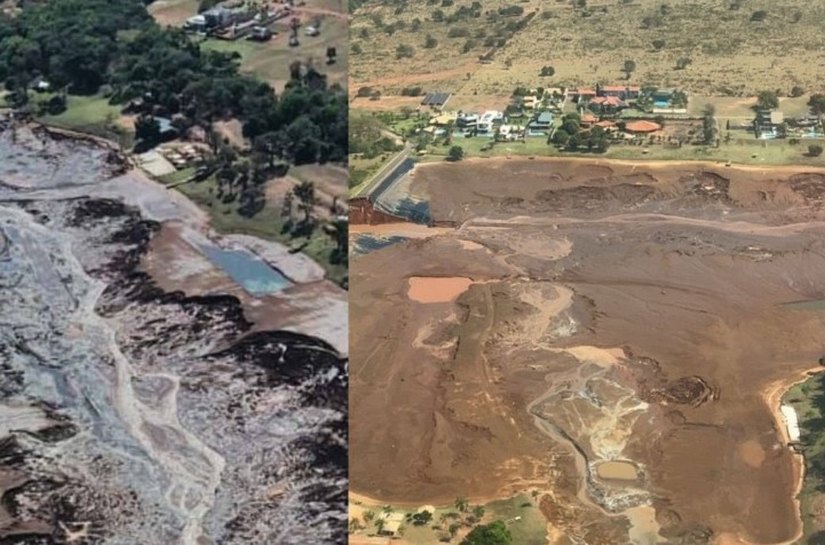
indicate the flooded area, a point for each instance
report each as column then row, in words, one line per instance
column 135, row 413
column 623, row 346
column 248, row 270
column 437, row 289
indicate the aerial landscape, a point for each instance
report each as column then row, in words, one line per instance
column 173, row 262
column 586, row 263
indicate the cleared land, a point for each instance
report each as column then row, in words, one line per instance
column 619, row 312
column 733, row 52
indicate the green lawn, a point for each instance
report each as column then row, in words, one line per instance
column 530, row 529
column 89, row 114
column 266, row 224
column 808, row 399
column 741, row 150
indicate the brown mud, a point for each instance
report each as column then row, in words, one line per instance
column 619, row 314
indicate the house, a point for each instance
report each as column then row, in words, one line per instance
column 768, row 123
column 167, row 130
column 467, row 122
column 541, row 124
column 607, row 104
column 531, row 102
column 581, row 94
column 442, row 120
column 642, row 127
column 624, row 92
column 588, row 120
column 392, row 523
column 217, row 18
column 510, row 133
column 486, row 125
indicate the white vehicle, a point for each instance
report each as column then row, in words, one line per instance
column 312, row 31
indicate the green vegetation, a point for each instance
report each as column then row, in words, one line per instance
column 96, row 58
column 808, row 399
column 269, row 223
column 495, row 533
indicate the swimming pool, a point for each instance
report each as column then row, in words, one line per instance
column 251, row 272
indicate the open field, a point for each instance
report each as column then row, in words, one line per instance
column 742, row 149
column 731, row 52
column 547, row 352
column 270, row 60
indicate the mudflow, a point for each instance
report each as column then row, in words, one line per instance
column 135, row 413
column 617, row 336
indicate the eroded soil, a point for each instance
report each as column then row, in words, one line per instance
column 617, row 314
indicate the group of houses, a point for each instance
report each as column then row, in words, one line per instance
column 535, row 112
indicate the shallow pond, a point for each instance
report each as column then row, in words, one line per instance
column 248, row 270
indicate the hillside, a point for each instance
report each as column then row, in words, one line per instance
column 728, row 48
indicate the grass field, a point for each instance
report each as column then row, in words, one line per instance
column 91, row 115
column 808, row 399
column 270, row 60
column 266, row 224
column 732, row 53
column 741, row 151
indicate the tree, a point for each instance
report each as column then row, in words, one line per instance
column 422, row 519
column 404, row 51
column 658, row 45
column 815, row 150
column 547, row 71
column 430, row 42
column 708, row 124
column 478, row 511
column 560, row 137
column 147, row 132
column 461, row 504
column 767, row 100
column 629, row 68
column 453, row 529
column 495, row 533
column 683, row 62
column 305, row 193
column 797, row 91
column 759, row 15
column 817, row 103
column 456, row 153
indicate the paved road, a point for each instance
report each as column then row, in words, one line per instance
column 367, row 190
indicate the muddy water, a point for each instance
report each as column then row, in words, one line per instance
column 623, row 471
column 437, row 289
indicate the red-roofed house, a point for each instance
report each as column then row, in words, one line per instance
column 581, row 94
column 624, row 92
column 607, row 104
column 588, row 120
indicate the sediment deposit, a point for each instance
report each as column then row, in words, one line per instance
column 616, row 346
column 134, row 411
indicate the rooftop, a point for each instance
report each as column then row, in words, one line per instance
column 642, row 126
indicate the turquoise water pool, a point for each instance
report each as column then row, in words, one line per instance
column 251, row 272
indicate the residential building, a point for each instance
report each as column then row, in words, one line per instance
column 624, row 92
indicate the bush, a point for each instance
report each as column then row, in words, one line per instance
column 815, row 150
column 456, row 153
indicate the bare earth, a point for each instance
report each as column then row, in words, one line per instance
column 619, row 340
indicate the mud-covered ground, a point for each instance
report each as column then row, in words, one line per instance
column 132, row 413
column 622, row 346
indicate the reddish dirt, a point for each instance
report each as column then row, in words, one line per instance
column 681, row 270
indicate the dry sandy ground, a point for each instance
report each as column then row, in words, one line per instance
column 608, row 312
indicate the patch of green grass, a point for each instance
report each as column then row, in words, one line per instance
column 530, row 529
column 741, row 150
column 178, row 176
column 266, row 224
column 808, row 398
column 89, row 114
